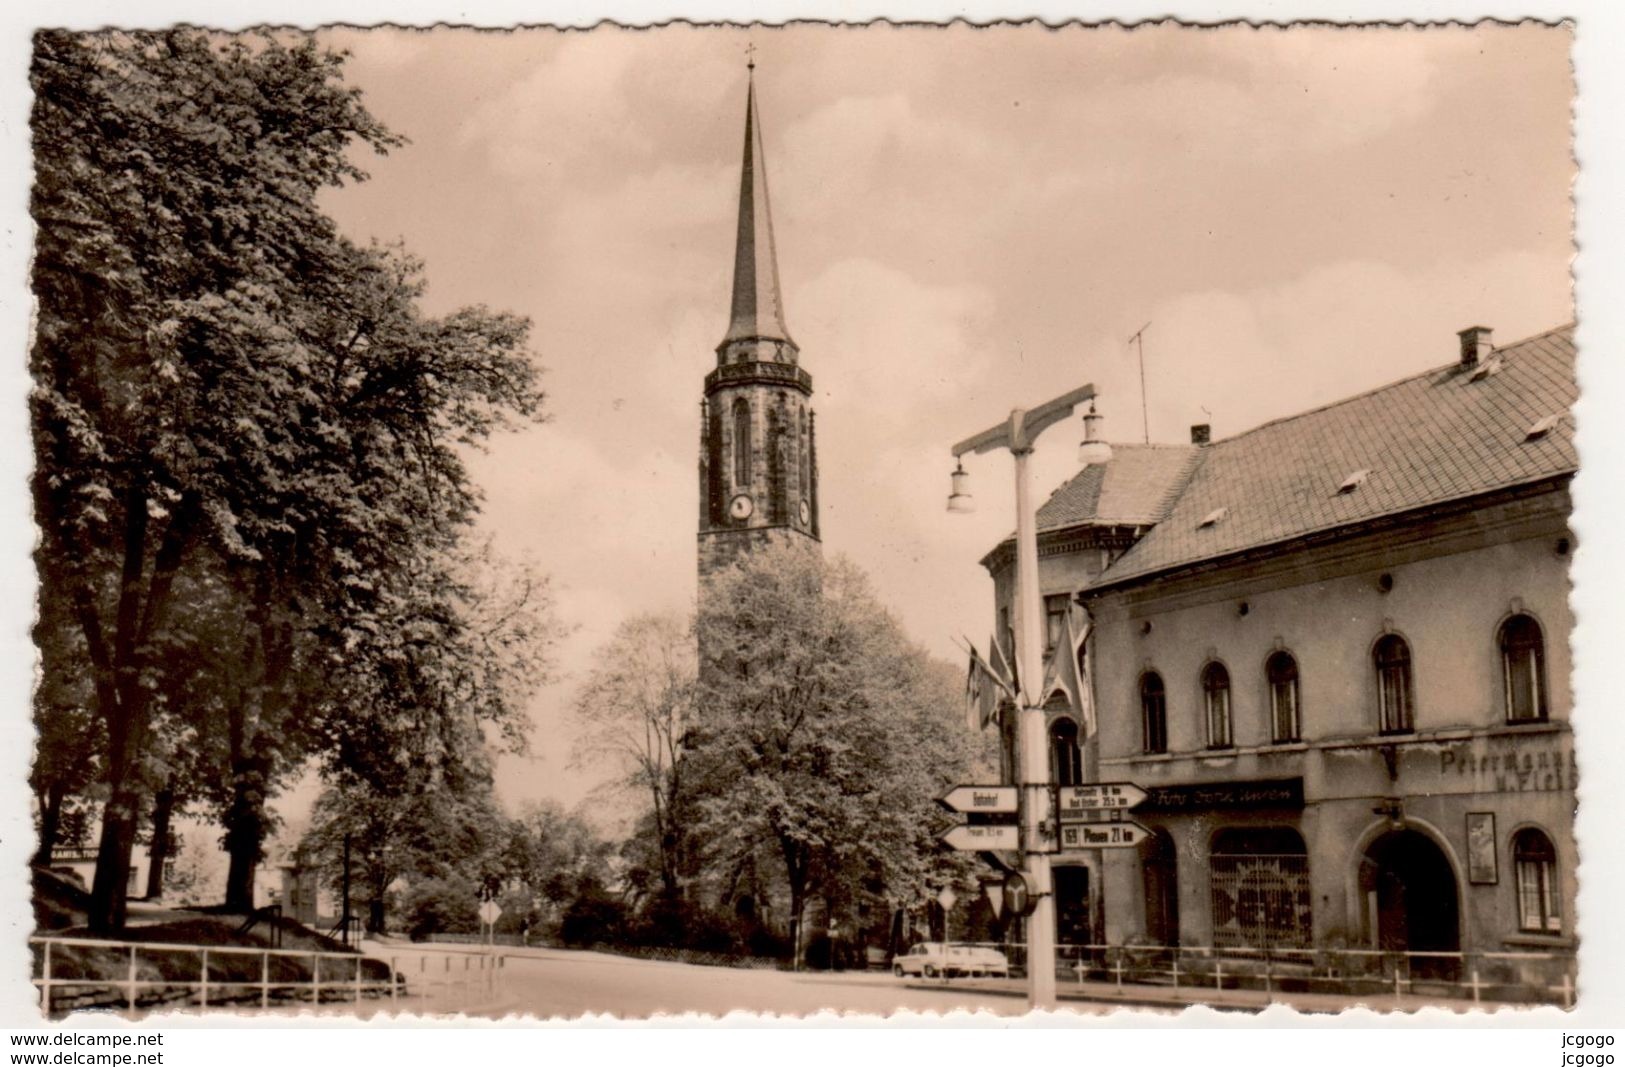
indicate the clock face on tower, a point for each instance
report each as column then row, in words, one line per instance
column 741, row 506
column 806, row 513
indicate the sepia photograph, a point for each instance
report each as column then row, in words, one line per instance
column 1097, row 536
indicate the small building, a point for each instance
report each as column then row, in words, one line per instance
column 1334, row 651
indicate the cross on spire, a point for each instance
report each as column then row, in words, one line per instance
column 750, row 55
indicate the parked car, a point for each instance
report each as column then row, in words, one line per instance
column 933, row 959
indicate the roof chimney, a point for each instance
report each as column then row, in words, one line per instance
column 1201, row 433
column 1475, row 345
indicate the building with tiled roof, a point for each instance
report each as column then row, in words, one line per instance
column 1333, row 650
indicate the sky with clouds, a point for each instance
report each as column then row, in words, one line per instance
column 968, row 220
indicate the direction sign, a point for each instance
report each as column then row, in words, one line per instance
column 1103, row 835
column 983, row 838
column 981, row 799
column 1073, row 800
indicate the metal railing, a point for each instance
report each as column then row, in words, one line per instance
column 315, row 974
column 1517, row 977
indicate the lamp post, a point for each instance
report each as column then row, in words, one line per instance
column 1017, row 434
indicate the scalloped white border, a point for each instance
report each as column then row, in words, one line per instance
column 1599, row 596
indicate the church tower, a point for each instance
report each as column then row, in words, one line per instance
column 758, row 462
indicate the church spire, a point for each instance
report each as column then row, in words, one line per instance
column 757, row 314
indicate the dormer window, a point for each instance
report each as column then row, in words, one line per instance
column 1543, row 427
column 1212, row 518
column 1353, row 481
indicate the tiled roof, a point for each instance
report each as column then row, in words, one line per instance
column 1429, row 439
column 1134, row 489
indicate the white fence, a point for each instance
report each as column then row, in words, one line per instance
column 1517, row 977
column 229, row 974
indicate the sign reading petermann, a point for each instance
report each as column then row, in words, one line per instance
column 1206, row 796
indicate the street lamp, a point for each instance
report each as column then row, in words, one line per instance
column 1093, row 450
column 1017, row 434
column 959, row 499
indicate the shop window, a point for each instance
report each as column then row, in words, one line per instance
column 1395, row 712
column 1523, row 669
column 1154, row 712
column 1260, row 888
column 1281, row 671
column 1066, row 758
column 1216, row 699
column 1535, row 862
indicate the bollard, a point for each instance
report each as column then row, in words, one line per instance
column 1218, row 974
column 1474, row 984
column 265, row 979
column 315, row 978
column 46, row 974
column 355, row 997
column 1176, row 970
column 1119, row 974
column 203, row 994
column 394, row 982
column 129, row 991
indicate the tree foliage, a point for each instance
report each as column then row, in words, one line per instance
column 229, row 393
column 632, row 714
column 823, row 733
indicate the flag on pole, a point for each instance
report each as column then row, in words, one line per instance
column 984, row 687
column 1003, row 669
column 1064, row 675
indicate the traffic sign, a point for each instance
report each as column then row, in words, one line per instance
column 490, row 912
column 1103, row 835
column 995, row 896
column 981, row 799
column 947, row 898
column 1005, row 838
column 1073, row 800
column 1018, row 898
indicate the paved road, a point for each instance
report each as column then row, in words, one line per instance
column 551, row 983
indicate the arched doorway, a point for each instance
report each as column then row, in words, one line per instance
column 1409, row 890
column 1161, row 872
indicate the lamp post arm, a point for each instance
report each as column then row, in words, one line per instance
column 1021, row 429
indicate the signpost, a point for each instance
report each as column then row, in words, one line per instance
column 1004, row 837
column 490, row 912
column 1117, row 834
column 1073, row 801
column 981, row 799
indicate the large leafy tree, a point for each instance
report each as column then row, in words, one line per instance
column 632, row 713
column 225, row 385
column 822, row 733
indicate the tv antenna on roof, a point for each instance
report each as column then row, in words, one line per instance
column 1139, row 340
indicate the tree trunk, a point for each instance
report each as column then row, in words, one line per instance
column 163, row 806
column 375, row 914
column 110, row 889
column 244, row 842
column 50, row 822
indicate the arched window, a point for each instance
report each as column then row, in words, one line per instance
column 805, row 455
column 1066, row 759
column 1281, row 671
column 1523, row 669
column 1259, row 884
column 741, row 443
column 1535, row 861
column 1216, row 699
column 1154, row 712
column 1395, row 713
